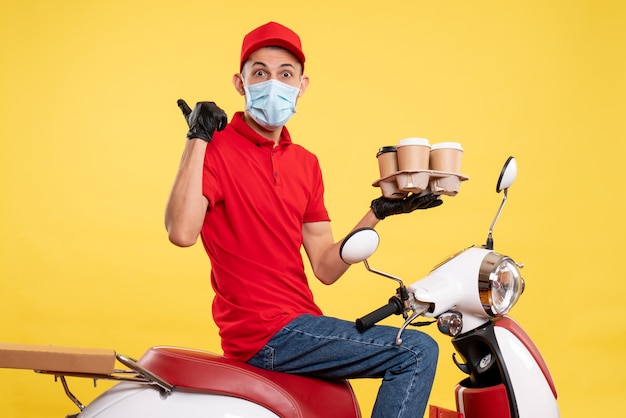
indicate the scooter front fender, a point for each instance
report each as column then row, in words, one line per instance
column 503, row 363
column 532, row 383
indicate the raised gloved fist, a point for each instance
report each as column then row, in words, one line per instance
column 384, row 207
column 203, row 120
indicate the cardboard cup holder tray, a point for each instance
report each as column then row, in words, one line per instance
column 437, row 182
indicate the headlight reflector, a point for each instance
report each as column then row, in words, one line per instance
column 500, row 284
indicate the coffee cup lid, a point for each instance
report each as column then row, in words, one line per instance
column 388, row 148
column 414, row 141
column 444, row 145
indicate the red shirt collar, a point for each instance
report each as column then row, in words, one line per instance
column 240, row 125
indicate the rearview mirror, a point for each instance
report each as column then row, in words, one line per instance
column 507, row 175
column 359, row 245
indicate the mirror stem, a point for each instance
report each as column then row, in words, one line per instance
column 380, row 273
column 489, row 244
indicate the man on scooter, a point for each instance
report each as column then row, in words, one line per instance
column 255, row 198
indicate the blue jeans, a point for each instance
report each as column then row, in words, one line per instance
column 331, row 348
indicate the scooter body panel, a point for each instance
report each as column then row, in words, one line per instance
column 443, row 289
column 126, row 400
column 488, row 402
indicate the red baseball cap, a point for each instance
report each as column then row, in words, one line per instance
column 272, row 34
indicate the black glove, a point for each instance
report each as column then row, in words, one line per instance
column 384, row 207
column 204, row 120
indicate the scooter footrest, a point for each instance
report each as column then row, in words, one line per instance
column 438, row 412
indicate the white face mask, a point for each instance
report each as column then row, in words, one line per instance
column 271, row 103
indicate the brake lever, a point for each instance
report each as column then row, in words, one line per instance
column 418, row 309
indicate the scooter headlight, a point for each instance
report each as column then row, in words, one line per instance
column 500, row 284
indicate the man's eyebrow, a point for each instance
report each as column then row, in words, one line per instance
column 255, row 63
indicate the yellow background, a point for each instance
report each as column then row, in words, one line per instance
column 90, row 140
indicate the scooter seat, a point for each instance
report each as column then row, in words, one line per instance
column 287, row 395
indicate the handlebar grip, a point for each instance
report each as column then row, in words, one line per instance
column 394, row 307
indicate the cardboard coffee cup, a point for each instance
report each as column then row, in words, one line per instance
column 387, row 161
column 445, row 163
column 413, row 154
column 446, row 157
column 388, row 167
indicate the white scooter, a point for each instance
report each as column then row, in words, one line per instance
column 469, row 294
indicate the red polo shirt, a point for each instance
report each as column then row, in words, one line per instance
column 259, row 197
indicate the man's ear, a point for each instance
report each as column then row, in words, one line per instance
column 238, row 83
column 303, row 85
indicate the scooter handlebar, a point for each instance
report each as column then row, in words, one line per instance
column 394, row 307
